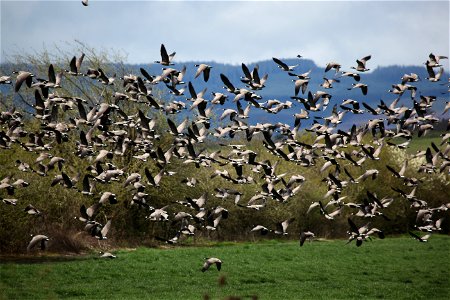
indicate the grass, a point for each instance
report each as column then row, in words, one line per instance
column 393, row 268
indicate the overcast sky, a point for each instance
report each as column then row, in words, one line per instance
column 394, row 32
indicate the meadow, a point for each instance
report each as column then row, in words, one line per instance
column 393, row 268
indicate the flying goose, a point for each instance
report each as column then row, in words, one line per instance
column 12, row 202
column 328, row 83
column 203, row 68
column 211, row 261
column 40, row 240
column 31, row 210
column 283, row 65
column 5, row 80
column 75, row 65
column 361, row 86
column 166, row 60
column 21, row 77
column 413, row 77
column 282, row 226
column 85, row 2
column 355, row 76
column 434, row 60
column 305, row 235
column 262, row 229
column 332, row 65
column 361, row 67
column 422, row 239
column 300, row 83
column 401, row 173
column 105, row 79
column 433, row 77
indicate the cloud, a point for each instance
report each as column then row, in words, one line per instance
column 400, row 32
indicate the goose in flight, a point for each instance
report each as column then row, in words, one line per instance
column 21, row 77
column 434, row 77
column 75, row 65
column 361, row 67
column 332, row 65
column 40, row 240
column 205, row 69
column 5, row 80
column 211, row 261
column 422, row 239
column 305, row 235
column 282, row 226
column 434, row 60
column 283, row 65
column 262, row 229
column 361, row 86
column 166, row 60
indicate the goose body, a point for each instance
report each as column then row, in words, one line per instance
column 40, row 240
column 211, row 261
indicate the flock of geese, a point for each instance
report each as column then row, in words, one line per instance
column 105, row 131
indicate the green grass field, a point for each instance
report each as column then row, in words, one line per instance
column 394, row 268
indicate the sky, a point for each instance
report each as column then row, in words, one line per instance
column 393, row 32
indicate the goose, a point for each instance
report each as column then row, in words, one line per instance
column 171, row 241
column 21, row 77
column 262, row 229
column 159, row 214
column 31, row 210
column 93, row 73
column 166, row 60
column 5, row 80
column 101, row 232
column 332, row 65
column 304, row 114
column 75, row 65
column 413, row 77
column 54, row 80
column 283, row 66
column 301, row 76
column 355, row 76
column 369, row 173
column 132, row 178
column 219, row 98
column 12, row 202
column 401, row 173
column 206, row 69
column 85, row 2
column 107, row 255
column 434, row 77
column 422, row 239
column 328, row 83
column 305, row 235
column 190, row 182
column 282, row 226
column 23, row 166
column 434, row 60
column 361, row 67
column 361, row 86
column 300, row 83
column 40, row 240
column 105, row 79
column 211, row 261
column 108, row 197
